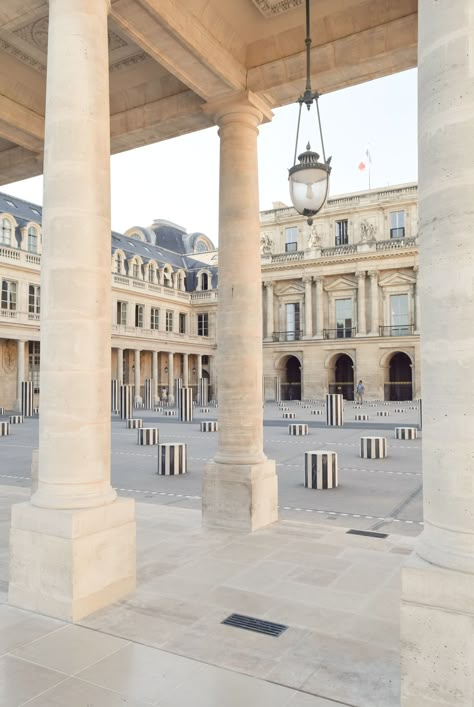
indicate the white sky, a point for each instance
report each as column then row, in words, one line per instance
column 148, row 182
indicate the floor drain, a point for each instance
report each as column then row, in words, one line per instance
column 367, row 533
column 250, row 624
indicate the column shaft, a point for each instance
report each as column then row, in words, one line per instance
column 154, row 375
column 185, row 370
column 361, row 323
column 137, row 377
column 308, row 307
column 269, row 323
column 171, row 378
column 319, row 307
column 374, row 304
column 20, row 372
column 120, row 365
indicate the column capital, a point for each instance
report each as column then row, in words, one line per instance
column 373, row 274
column 307, row 278
column 361, row 275
column 247, row 103
column 416, row 269
column 319, row 280
column 268, row 283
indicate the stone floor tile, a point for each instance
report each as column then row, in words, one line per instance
column 21, row 681
column 260, row 577
column 71, row 649
column 18, row 627
column 302, row 699
column 77, row 693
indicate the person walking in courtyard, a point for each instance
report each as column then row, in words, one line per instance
column 360, row 390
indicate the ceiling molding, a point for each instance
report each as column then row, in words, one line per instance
column 270, row 8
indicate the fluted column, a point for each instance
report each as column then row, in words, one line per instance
column 120, row 365
column 438, row 582
column 185, row 370
column 417, row 300
column 361, row 323
column 269, row 303
column 308, row 306
column 171, row 378
column 20, row 371
column 240, row 486
column 374, row 303
column 154, row 375
column 137, row 378
column 64, row 544
column 319, row 307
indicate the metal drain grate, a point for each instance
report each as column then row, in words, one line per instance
column 250, row 624
column 368, row 533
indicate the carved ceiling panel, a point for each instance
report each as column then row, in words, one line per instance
column 270, row 8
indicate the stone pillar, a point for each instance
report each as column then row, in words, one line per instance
column 171, row 378
column 20, row 372
column 361, row 324
column 137, row 380
column 185, row 370
column 269, row 327
column 154, row 376
column 374, row 303
column 308, row 308
column 417, row 301
column 198, row 366
column 319, row 308
column 437, row 613
column 120, row 366
column 240, row 485
column 64, row 544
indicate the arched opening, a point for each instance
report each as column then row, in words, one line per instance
column 400, row 378
column 291, row 379
column 342, row 377
column 204, row 281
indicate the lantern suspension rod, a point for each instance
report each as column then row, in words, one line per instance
column 297, row 133
column 307, row 41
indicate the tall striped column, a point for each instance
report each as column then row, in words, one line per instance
column 148, row 393
column 334, row 410
column 186, row 405
column 27, row 398
column 114, row 395
column 178, row 384
column 203, row 391
column 126, row 402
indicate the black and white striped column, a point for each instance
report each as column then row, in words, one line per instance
column 178, row 384
column 126, row 402
column 383, row 413
column 2, row 411
column 289, row 415
column 186, row 405
column 172, row 459
column 405, row 433
column 114, row 395
column 361, row 417
column 298, row 429
column 16, row 419
column 169, row 413
column 373, row 447
column 27, row 398
column 148, row 435
column 133, row 423
column 4, row 429
column 320, row 468
column 209, row 426
column 334, row 410
column 148, row 394
column 203, row 392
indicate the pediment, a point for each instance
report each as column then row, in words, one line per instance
column 341, row 283
column 397, row 278
column 293, row 289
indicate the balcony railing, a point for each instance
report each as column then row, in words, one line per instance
column 342, row 333
column 396, row 243
column 285, row 257
column 401, row 330
column 287, row 335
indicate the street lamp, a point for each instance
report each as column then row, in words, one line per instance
column 309, row 178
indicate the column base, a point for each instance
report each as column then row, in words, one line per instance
column 437, row 630
column 317, row 336
column 68, row 564
column 240, row 496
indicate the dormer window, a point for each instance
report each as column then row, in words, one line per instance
column 118, row 264
column 32, row 239
column 135, row 270
column 5, row 232
column 204, row 281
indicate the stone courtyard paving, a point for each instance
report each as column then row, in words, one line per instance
column 338, row 593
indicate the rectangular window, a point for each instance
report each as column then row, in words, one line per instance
column 121, row 313
column 139, row 309
column 9, row 293
column 291, row 239
column 169, row 321
column 155, row 318
column 203, row 324
column 293, row 321
column 33, row 301
column 343, row 318
column 34, row 364
column 151, row 274
column 342, row 232
column 399, row 317
column 32, row 240
column 397, row 224
column 182, row 323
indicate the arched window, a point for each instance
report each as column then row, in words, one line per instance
column 32, row 245
column 136, row 270
column 204, row 281
column 151, row 273
column 5, row 232
column 167, row 276
column 118, row 264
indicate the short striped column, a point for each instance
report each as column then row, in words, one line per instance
column 209, row 426
column 334, row 410
column 4, row 429
column 36, row 411
column 27, row 398
column 178, row 384
column 316, row 412
column 373, row 447
column 148, row 435
column 399, row 410
column 298, row 429
column 320, row 470
column 133, row 423
column 205, row 410
column 406, row 433
column 169, row 413
column 114, row 395
column 361, row 417
column 172, row 459
column 289, row 415
column 126, row 402
column 16, row 419
column 2, row 411
column 148, row 394
column 186, row 405
column 203, row 392
column 383, row 413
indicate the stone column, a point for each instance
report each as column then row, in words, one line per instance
column 417, row 301
column 198, row 366
column 240, row 485
column 308, row 308
column 185, row 370
column 361, row 324
column 437, row 614
column 269, row 294
column 154, row 376
column 137, row 378
column 20, row 372
column 120, row 366
column 64, row 543
column 319, row 308
column 171, row 378
column 374, row 303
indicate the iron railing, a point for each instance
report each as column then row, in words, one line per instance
column 400, row 330
column 287, row 335
column 339, row 333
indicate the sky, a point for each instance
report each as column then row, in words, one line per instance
column 148, row 183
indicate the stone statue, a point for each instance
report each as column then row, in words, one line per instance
column 265, row 244
column 367, row 231
column 314, row 240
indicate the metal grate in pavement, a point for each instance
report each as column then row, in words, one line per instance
column 368, row 533
column 251, row 624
